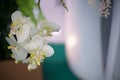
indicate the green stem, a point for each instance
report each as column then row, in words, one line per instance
column 41, row 14
column 63, row 4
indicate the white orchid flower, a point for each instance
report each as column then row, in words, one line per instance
column 20, row 26
column 38, row 50
column 18, row 52
column 37, row 44
column 38, row 56
column 46, row 28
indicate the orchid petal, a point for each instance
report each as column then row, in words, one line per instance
column 30, row 46
column 17, row 16
column 23, row 33
column 32, row 66
column 33, row 31
column 19, row 54
column 11, row 42
column 48, row 50
column 49, row 25
column 39, row 41
column 28, row 60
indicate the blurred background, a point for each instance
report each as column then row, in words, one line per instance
column 88, row 52
column 53, row 68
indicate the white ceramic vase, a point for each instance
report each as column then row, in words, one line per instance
column 83, row 40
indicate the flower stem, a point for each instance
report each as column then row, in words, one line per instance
column 41, row 14
column 64, row 5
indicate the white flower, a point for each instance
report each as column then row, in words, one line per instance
column 92, row 3
column 38, row 44
column 18, row 52
column 46, row 28
column 20, row 26
column 105, row 6
column 38, row 50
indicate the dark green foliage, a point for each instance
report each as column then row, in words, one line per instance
column 26, row 6
column 7, row 7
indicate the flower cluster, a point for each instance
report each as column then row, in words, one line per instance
column 105, row 6
column 28, row 42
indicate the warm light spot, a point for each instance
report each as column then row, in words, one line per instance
column 71, row 41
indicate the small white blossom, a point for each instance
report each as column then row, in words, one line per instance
column 20, row 26
column 18, row 52
column 38, row 50
column 39, row 46
column 105, row 6
column 46, row 28
column 92, row 3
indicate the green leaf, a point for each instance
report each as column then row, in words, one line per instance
column 26, row 7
